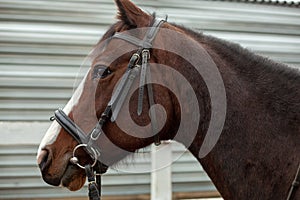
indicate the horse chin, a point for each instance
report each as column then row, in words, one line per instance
column 73, row 178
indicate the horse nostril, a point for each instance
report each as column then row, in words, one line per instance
column 42, row 159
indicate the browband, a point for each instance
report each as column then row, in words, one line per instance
column 147, row 41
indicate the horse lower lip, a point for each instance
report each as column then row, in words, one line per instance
column 52, row 181
column 67, row 176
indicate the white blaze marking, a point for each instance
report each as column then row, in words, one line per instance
column 54, row 129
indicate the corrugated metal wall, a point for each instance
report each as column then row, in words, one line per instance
column 42, row 45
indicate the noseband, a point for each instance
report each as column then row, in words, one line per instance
column 137, row 63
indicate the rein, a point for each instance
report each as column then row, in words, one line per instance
column 295, row 184
column 137, row 63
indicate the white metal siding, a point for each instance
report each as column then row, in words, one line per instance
column 42, row 44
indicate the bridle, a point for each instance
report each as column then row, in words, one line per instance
column 138, row 63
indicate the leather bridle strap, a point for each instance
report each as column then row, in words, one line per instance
column 145, row 43
column 69, row 126
column 133, row 40
column 75, row 132
column 145, row 74
column 121, row 92
column 295, row 184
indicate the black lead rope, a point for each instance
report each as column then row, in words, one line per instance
column 94, row 184
column 98, row 182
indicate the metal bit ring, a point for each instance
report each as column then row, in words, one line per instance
column 74, row 160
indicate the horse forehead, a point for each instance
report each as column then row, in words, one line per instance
column 114, row 49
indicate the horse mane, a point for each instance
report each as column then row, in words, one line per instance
column 274, row 81
column 222, row 46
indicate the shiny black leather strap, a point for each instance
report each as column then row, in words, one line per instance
column 94, row 192
column 69, row 126
column 120, row 98
column 77, row 133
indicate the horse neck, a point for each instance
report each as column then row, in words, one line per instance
column 257, row 154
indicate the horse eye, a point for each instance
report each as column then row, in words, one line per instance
column 101, row 71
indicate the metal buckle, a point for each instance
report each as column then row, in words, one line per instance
column 74, row 160
column 146, row 52
column 96, row 133
column 134, row 60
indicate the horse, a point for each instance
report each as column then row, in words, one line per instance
column 237, row 112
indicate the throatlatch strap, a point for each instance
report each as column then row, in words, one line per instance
column 152, row 111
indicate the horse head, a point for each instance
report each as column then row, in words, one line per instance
column 132, row 129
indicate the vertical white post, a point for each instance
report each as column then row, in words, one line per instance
column 161, row 182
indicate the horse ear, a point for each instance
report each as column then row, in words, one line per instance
column 131, row 15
